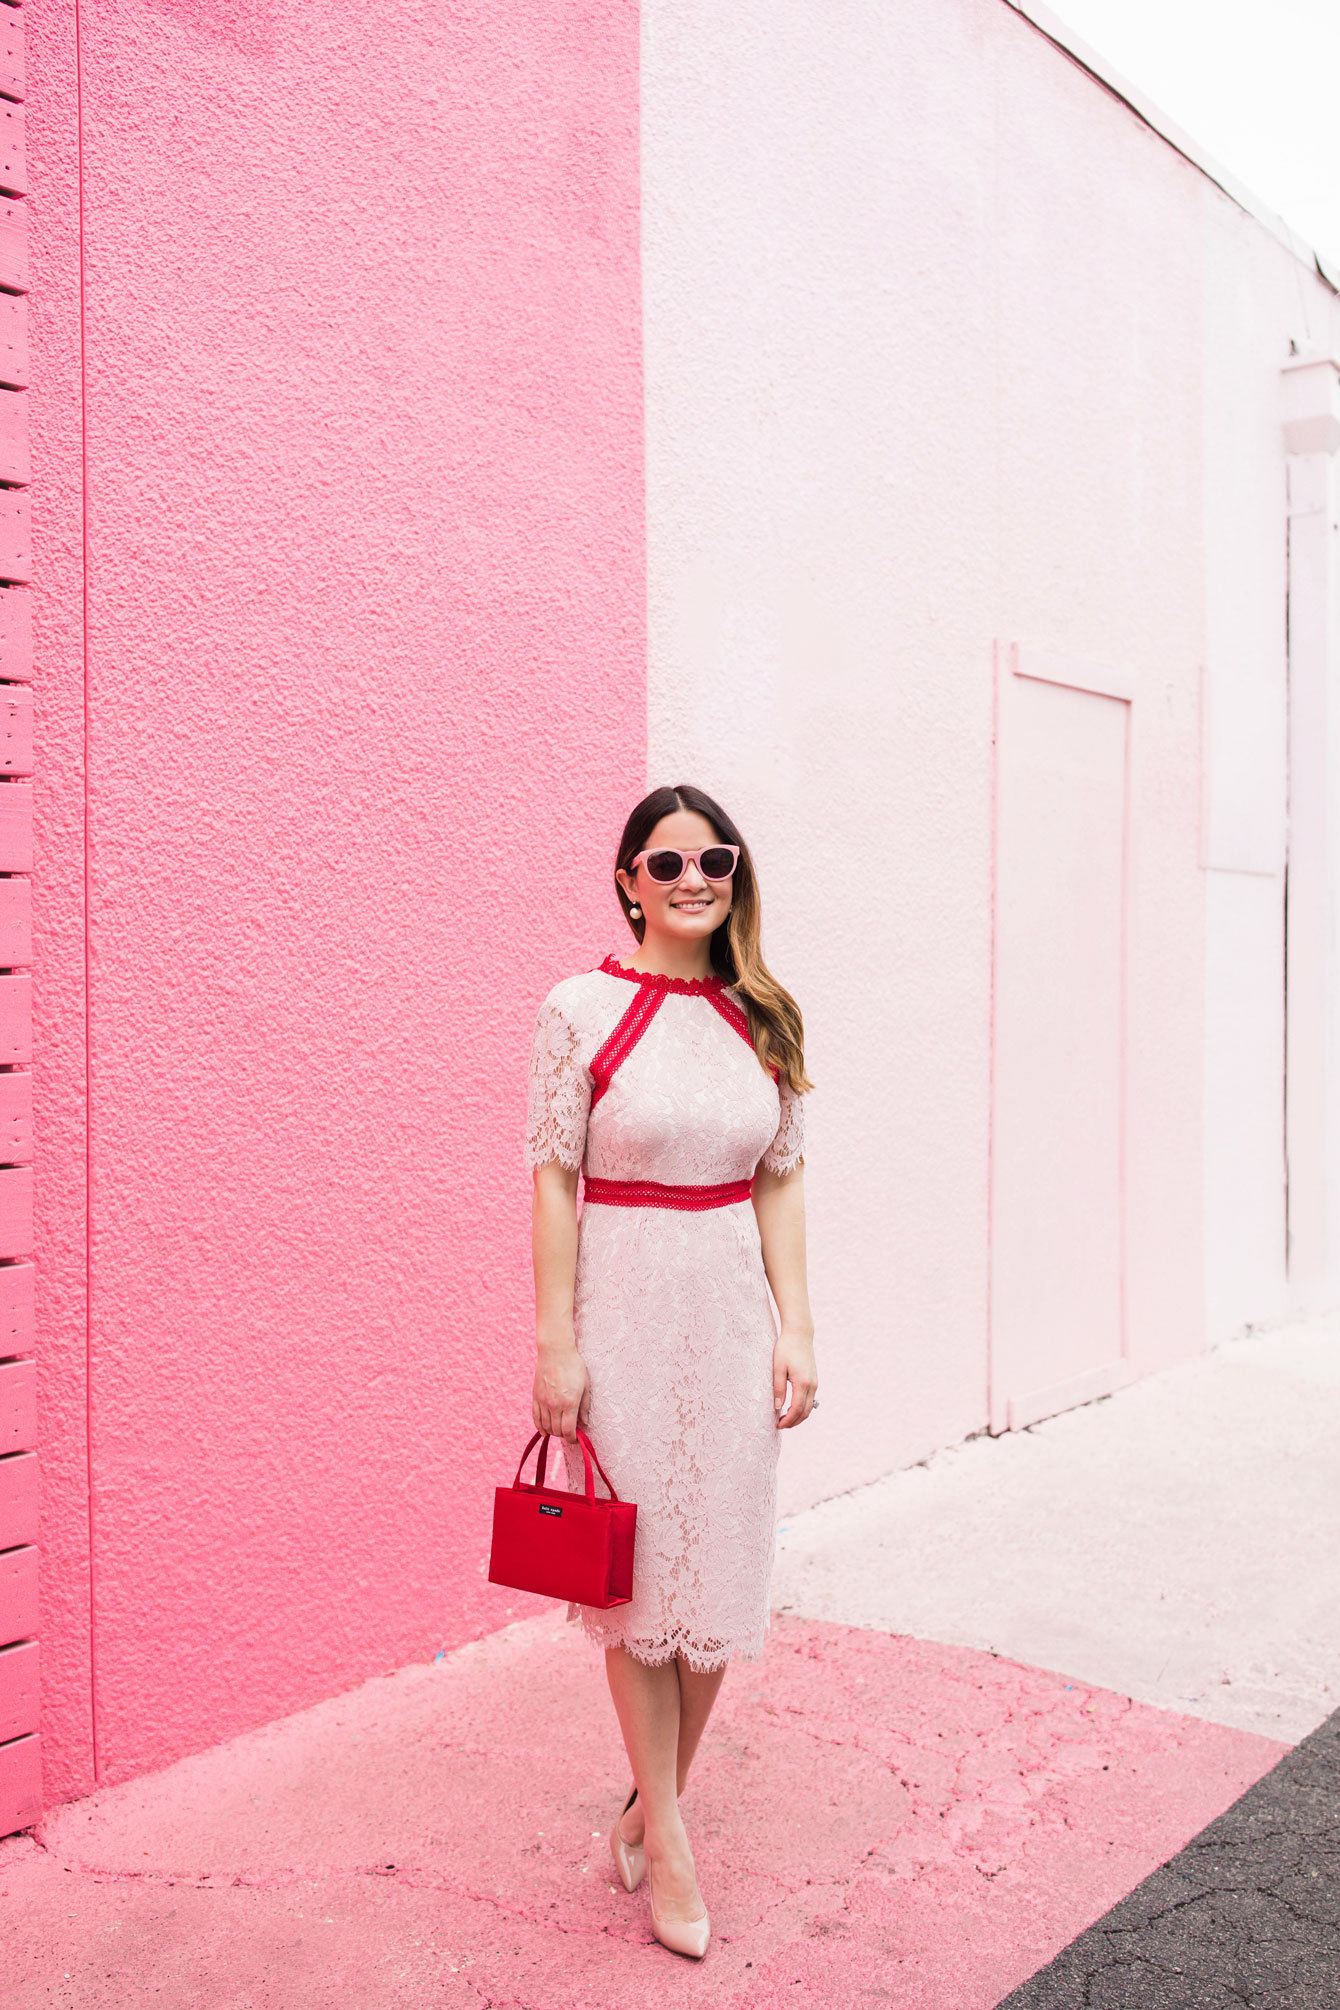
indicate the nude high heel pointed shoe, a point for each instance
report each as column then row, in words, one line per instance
column 681, row 1936
column 630, row 1859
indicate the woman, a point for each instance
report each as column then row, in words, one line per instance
column 674, row 1081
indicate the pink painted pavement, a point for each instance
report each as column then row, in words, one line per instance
column 877, row 1820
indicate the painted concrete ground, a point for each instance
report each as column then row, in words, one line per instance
column 879, row 1818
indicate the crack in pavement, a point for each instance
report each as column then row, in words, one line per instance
column 412, row 1877
column 415, row 1877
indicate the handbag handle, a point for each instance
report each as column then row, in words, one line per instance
column 588, row 1454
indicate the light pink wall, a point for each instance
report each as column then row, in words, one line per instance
column 1258, row 300
column 364, row 636
column 1098, row 463
column 923, row 379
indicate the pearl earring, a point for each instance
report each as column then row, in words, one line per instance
column 635, row 914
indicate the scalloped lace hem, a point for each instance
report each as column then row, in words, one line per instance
column 702, row 1659
column 547, row 1152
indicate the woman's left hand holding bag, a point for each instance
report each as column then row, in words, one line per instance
column 561, row 1396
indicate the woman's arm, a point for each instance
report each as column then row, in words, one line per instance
column 779, row 1204
column 560, row 1398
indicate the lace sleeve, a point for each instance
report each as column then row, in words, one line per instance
column 787, row 1148
column 560, row 1092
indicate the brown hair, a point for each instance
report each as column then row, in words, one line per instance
column 774, row 1017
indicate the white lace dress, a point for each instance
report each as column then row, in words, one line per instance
column 652, row 1087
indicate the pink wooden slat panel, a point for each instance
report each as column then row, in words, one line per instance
column 14, row 245
column 16, row 1212
column 16, row 1125
column 13, row 338
column 18, row 1593
column 15, row 463
column 20, row 1753
column 16, row 1019
column 16, row 634
column 16, row 922
column 16, row 730
column 20, row 1784
column 11, row 53
column 18, row 1406
column 18, row 1500
column 13, row 154
column 18, row 1308
column 16, row 540
column 20, row 1703
column 16, row 826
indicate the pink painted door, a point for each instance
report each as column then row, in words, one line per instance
column 1056, row 1226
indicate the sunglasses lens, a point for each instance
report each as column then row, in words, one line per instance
column 717, row 863
column 666, row 866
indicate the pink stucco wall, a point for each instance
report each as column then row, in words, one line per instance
column 363, row 637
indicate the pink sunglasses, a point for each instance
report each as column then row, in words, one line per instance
column 667, row 868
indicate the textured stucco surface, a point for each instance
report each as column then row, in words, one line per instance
column 875, row 1820
column 365, row 640
column 923, row 374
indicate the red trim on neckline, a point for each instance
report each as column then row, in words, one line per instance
column 689, row 987
column 619, row 1044
column 633, row 1024
column 733, row 1016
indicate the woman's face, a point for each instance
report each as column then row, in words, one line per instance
column 695, row 907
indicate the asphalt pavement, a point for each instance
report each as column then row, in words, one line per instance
column 1246, row 1917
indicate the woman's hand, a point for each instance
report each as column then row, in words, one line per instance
column 793, row 1362
column 779, row 1205
column 561, row 1397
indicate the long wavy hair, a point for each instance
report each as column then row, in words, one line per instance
column 775, row 1023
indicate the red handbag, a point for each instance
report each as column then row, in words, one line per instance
column 561, row 1544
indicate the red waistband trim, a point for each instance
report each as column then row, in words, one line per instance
column 655, row 1193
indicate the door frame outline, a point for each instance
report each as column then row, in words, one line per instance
column 1102, row 680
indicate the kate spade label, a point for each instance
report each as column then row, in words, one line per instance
column 546, row 1509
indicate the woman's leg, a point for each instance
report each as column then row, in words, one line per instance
column 697, row 1694
column 648, row 1705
